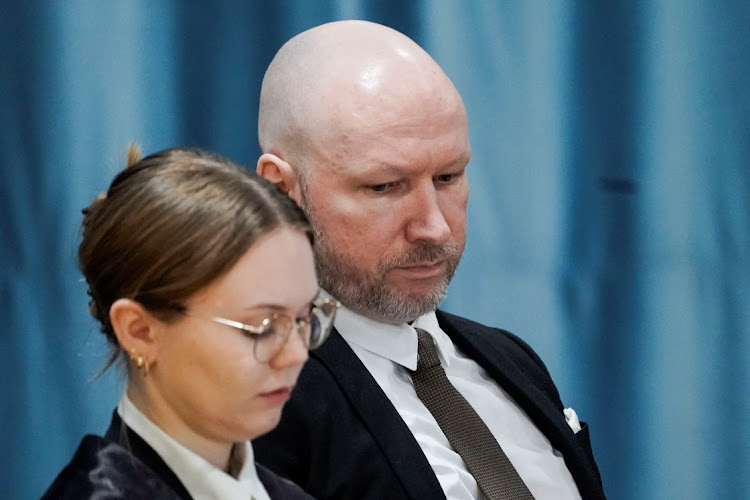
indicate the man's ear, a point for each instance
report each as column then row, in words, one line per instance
column 280, row 173
column 135, row 329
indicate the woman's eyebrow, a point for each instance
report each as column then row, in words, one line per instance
column 273, row 307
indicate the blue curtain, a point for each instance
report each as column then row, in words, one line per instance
column 609, row 213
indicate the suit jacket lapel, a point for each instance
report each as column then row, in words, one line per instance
column 387, row 428
column 544, row 409
column 128, row 439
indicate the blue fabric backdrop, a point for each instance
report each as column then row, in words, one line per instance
column 609, row 213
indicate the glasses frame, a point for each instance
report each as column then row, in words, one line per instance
column 323, row 302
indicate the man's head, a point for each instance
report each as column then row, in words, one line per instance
column 365, row 131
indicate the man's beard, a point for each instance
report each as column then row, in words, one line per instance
column 365, row 291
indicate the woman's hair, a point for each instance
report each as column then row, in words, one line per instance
column 169, row 225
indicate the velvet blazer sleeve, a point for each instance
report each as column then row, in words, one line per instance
column 103, row 469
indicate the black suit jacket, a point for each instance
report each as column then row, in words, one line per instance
column 121, row 465
column 341, row 438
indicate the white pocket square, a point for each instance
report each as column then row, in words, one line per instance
column 572, row 419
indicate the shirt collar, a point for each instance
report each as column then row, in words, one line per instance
column 397, row 343
column 200, row 478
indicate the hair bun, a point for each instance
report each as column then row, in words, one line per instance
column 94, row 203
column 134, row 153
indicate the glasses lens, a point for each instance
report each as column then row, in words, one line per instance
column 324, row 313
column 315, row 332
column 312, row 330
column 304, row 330
column 268, row 344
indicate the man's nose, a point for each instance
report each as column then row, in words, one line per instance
column 427, row 222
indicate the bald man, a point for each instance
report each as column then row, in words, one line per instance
column 365, row 131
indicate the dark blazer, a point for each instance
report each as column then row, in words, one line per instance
column 341, row 438
column 121, row 465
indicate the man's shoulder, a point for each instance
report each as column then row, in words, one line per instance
column 492, row 347
column 279, row 487
column 460, row 328
column 336, row 359
column 326, row 382
column 454, row 321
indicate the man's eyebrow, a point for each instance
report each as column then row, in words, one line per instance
column 393, row 169
column 381, row 169
column 462, row 159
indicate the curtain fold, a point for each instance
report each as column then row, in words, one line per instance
column 609, row 216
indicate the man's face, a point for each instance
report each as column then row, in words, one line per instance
column 387, row 198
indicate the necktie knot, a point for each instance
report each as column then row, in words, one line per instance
column 427, row 353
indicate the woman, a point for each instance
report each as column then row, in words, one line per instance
column 201, row 274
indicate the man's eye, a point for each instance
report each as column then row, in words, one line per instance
column 446, row 178
column 379, row 188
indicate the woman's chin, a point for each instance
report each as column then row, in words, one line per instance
column 263, row 424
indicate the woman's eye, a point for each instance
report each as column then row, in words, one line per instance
column 258, row 325
column 265, row 330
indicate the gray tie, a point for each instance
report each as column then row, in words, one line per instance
column 465, row 430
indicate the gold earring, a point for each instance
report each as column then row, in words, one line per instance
column 140, row 362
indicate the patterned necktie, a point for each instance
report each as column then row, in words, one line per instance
column 465, row 430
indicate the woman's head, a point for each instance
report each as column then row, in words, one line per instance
column 169, row 225
column 183, row 237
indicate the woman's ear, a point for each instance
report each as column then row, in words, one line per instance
column 135, row 329
column 279, row 172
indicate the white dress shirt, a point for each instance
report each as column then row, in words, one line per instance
column 201, row 479
column 388, row 350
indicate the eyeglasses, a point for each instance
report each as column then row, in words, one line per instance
column 272, row 333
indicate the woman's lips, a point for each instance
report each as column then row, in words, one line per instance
column 280, row 395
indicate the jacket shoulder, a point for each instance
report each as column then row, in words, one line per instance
column 489, row 345
column 103, row 469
